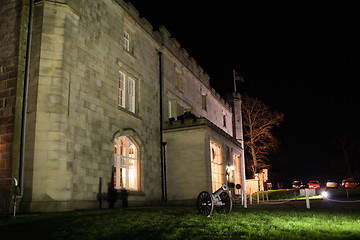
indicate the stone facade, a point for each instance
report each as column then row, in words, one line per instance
column 73, row 114
column 80, row 54
column 13, row 43
column 188, row 147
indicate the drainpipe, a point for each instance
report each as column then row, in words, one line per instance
column 242, row 163
column 162, row 144
column 25, row 99
column 164, row 173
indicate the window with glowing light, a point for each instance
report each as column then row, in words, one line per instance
column 236, row 161
column 217, row 169
column 126, row 164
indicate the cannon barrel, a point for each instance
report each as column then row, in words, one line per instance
column 223, row 188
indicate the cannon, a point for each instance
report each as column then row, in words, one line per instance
column 220, row 199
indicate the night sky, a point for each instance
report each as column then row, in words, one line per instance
column 299, row 57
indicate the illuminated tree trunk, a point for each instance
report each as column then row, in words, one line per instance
column 258, row 122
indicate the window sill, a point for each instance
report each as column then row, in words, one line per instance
column 130, row 192
column 136, row 193
column 136, row 115
column 130, row 54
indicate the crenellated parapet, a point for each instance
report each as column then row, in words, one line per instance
column 134, row 13
column 167, row 43
column 174, row 47
column 189, row 120
column 221, row 100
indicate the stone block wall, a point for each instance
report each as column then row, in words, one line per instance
column 73, row 104
column 73, row 114
column 196, row 85
column 188, row 163
column 13, row 42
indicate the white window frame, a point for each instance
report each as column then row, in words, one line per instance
column 131, row 94
column 122, row 90
column 170, row 109
column 126, row 40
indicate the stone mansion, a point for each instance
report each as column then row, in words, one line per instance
column 90, row 92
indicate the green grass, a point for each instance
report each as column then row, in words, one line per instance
column 184, row 223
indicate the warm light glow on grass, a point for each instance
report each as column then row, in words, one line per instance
column 185, row 223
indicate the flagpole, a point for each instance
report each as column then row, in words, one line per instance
column 234, row 80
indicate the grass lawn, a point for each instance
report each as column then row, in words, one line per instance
column 184, row 223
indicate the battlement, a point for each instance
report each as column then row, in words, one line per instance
column 167, row 43
column 189, row 120
column 174, row 47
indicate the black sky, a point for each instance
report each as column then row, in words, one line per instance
column 299, row 57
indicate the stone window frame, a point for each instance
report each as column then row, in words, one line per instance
column 224, row 120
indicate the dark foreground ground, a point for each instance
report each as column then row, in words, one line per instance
column 326, row 219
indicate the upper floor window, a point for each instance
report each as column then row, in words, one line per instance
column 131, row 94
column 127, row 92
column 121, row 93
column 127, row 41
column 126, row 164
column 203, row 102
column 224, row 120
column 179, row 81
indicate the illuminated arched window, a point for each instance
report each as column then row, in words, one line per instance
column 217, row 170
column 237, row 167
column 126, row 164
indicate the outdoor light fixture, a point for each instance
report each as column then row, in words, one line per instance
column 325, row 194
column 230, row 168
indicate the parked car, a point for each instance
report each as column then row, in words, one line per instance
column 331, row 184
column 349, row 183
column 314, row 184
column 298, row 184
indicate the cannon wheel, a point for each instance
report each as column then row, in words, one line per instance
column 226, row 203
column 205, row 204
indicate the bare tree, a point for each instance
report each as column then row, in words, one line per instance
column 258, row 122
